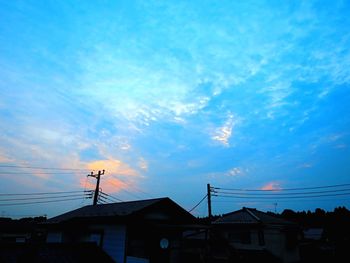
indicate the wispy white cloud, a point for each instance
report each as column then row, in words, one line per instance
column 224, row 133
column 143, row 164
column 236, row 171
column 334, row 137
column 341, row 146
column 306, row 165
column 324, row 93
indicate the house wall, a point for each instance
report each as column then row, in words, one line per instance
column 276, row 243
column 254, row 241
column 242, row 237
column 114, row 242
column 113, row 239
column 136, row 260
column 54, row 237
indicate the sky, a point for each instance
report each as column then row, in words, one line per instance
column 168, row 96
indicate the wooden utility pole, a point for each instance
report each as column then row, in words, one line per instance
column 209, row 201
column 98, row 177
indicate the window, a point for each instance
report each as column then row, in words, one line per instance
column 261, row 237
column 291, row 240
column 96, row 238
column 240, row 236
column 20, row 239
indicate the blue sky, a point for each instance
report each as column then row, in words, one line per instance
column 168, row 96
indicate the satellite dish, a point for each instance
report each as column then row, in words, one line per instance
column 164, row 243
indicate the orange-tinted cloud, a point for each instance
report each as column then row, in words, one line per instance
column 272, row 186
column 112, row 167
column 5, row 159
column 108, row 184
column 118, row 176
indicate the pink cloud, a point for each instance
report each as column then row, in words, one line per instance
column 118, row 176
column 271, row 186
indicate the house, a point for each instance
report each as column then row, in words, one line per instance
column 252, row 232
column 24, row 230
column 129, row 232
column 52, row 253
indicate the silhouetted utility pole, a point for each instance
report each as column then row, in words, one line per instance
column 209, row 200
column 98, row 177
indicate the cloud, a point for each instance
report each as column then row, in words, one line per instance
column 143, row 164
column 341, row 146
column 324, row 93
column 118, row 175
column 112, row 167
column 139, row 94
column 224, row 133
column 108, row 184
column 271, row 186
column 306, row 165
column 335, row 137
column 125, row 146
column 5, row 159
column 235, row 172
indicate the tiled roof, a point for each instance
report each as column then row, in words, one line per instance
column 121, row 209
column 250, row 216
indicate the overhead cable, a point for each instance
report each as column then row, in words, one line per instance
column 43, row 168
column 198, row 204
column 281, row 189
column 277, row 194
column 45, row 193
column 278, row 197
column 40, row 202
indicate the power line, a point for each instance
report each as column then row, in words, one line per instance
column 122, row 189
column 45, row 193
column 45, row 197
column 278, row 197
column 111, row 196
column 41, row 202
column 37, row 172
column 140, row 191
column 106, row 199
column 286, row 201
column 43, row 168
column 277, row 194
column 198, row 203
column 282, row 189
column 135, row 188
column 101, row 202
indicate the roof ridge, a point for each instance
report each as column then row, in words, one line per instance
column 132, row 201
column 252, row 214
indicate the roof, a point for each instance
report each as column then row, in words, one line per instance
column 122, row 209
column 250, row 216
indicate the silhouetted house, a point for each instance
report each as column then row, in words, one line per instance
column 252, row 232
column 20, row 231
column 315, row 247
column 129, row 232
column 52, row 253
